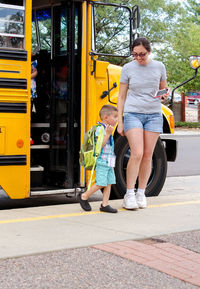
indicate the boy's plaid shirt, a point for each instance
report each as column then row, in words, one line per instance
column 108, row 150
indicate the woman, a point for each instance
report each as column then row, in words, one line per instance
column 143, row 121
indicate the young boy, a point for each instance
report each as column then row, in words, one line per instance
column 105, row 175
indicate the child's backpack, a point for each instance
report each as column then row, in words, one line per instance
column 89, row 150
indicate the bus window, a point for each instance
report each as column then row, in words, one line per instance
column 112, row 28
column 34, row 43
column 61, row 32
column 44, row 25
column 12, row 24
column 76, row 31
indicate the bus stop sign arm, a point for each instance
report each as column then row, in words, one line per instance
column 184, row 82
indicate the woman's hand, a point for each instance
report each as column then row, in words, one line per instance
column 163, row 85
column 120, row 128
column 166, row 95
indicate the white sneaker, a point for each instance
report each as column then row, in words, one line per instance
column 141, row 200
column 129, row 202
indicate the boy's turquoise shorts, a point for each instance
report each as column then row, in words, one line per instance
column 104, row 175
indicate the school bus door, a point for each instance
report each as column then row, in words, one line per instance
column 59, row 159
column 65, row 95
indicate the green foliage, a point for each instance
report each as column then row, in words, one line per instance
column 187, row 124
column 184, row 43
column 193, row 7
column 174, row 31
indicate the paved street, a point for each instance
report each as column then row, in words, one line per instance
column 188, row 156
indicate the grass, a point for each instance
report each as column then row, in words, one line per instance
column 187, row 124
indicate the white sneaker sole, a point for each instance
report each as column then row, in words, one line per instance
column 142, row 207
column 130, row 207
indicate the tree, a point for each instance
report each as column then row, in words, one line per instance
column 173, row 30
column 193, row 7
column 184, row 43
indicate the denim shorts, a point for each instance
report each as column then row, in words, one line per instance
column 105, row 175
column 150, row 122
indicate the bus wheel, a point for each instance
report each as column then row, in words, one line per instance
column 158, row 173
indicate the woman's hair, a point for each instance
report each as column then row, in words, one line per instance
column 142, row 41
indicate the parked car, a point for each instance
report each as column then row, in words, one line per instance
column 193, row 97
column 177, row 97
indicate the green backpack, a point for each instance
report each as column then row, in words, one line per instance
column 89, row 151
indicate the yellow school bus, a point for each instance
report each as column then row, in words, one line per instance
column 73, row 44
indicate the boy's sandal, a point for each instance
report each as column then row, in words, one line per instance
column 84, row 203
column 108, row 209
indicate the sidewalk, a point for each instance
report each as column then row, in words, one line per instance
column 182, row 132
column 187, row 131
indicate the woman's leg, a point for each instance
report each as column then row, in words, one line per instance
column 150, row 139
column 135, row 139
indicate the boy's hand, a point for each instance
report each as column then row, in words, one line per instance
column 109, row 129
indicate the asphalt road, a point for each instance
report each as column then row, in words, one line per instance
column 188, row 157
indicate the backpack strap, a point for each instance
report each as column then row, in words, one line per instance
column 100, row 138
column 98, row 148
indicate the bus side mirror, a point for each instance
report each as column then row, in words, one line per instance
column 194, row 61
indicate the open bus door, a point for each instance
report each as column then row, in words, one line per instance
column 15, row 98
column 55, row 126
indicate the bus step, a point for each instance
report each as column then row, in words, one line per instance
column 37, row 173
column 37, row 169
column 53, row 192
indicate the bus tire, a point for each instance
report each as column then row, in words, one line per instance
column 158, row 173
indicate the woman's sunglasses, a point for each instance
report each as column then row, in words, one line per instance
column 135, row 55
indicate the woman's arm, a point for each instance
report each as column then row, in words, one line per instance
column 120, row 105
column 163, row 84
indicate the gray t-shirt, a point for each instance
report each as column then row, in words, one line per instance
column 143, row 82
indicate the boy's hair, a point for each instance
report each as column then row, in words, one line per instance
column 107, row 110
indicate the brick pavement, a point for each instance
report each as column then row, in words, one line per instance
column 165, row 257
